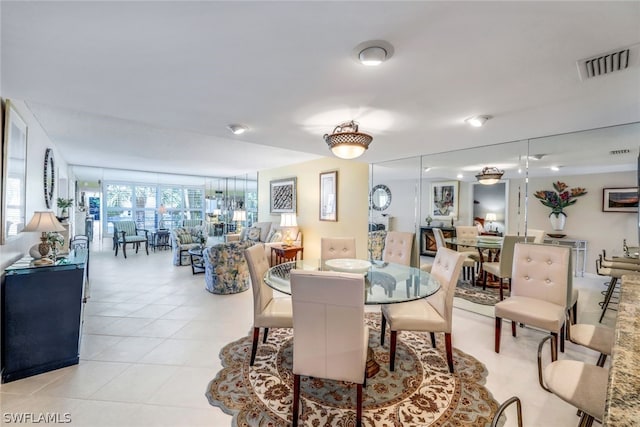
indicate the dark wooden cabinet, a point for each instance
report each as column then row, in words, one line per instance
column 41, row 316
column 428, row 242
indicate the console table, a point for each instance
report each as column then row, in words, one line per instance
column 428, row 241
column 42, row 315
column 578, row 247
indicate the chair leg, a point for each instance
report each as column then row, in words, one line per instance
column 264, row 336
column 612, row 285
column 433, row 339
column 392, row 350
column 554, row 347
column 296, row 398
column 359, row 406
column 601, row 359
column 254, row 345
column 124, row 249
column 137, row 246
column 562, row 335
column 574, row 309
column 497, row 334
column 146, row 246
column 116, row 248
column 501, row 291
column 447, row 340
column 585, row 421
column 383, row 326
column 484, row 280
column 513, row 328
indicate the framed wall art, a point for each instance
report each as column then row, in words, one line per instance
column 329, row 196
column 283, row 195
column 13, row 168
column 444, row 200
column 620, row 199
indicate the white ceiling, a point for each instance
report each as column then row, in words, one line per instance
column 152, row 85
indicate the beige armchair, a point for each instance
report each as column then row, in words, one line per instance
column 268, row 312
column 432, row 314
column 539, row 292
column 337, row 247
column 397, row 247
column 330, row 338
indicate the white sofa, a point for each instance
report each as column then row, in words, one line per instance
column 269, row 233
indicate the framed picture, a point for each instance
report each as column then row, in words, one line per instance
column 444, row 200
column 283, row 195
column 620, row 199
column 13, row 168
column 329, row 196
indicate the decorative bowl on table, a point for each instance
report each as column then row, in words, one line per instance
column 489, row 239
column 348, row 265
column 556, row 235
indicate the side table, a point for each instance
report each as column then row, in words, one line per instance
column 197, row 262
column 286, row 253
column 160, row 239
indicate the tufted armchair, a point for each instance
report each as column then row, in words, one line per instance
column 126, row 232
column 226, row 270
column 540, row 289
column 183, row 239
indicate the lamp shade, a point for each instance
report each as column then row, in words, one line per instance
column 239, row 215
column 44, row 221
column 490, row 217
column 288, row 220
column 217, row 212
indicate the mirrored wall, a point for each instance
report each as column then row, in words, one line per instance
column 442, row 190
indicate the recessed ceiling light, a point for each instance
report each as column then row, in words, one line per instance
column 536, row 156
column 477, row 121
column 237, row 129
column 460, row 176
column 555, row 168
column 373, row 52
column 427, row 169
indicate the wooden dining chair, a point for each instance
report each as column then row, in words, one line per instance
column 431, row 314
column 330, row 338
column 268, row 312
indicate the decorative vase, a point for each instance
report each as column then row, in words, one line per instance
column 557, row 220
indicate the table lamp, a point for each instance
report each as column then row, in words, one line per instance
column 43, row 221
column 240, row 216
column 288, row 220
column 489, row 218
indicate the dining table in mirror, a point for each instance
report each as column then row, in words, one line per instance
column 385, row 283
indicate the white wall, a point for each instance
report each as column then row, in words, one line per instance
column 353, row 190
column 37, row 143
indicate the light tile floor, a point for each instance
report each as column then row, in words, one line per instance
column 152, row 335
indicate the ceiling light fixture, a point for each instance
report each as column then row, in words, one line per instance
column 237, row 129
column 489, row 175
column 477, row 121
column 372, row 56
column 346, row 142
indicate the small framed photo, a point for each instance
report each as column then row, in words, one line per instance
column 444, row 200
column 620, row 199
column 329, row 196
column 283, row 195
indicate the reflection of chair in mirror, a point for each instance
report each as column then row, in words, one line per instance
column 432, row 314
column 538, row 235
column 397, row 247
column 330, row 338
column 337, row 247
column 468, row 264
column 268, row 312
column 577, row 383
column 615, row 270
column 540, row 285
column 502, row 269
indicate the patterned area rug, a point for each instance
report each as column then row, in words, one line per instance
column 490, row 296
column 421, row 391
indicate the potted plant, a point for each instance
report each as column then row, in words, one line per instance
column 64, row 204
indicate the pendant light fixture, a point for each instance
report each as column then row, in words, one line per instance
column 489, row 175
column 346, row 142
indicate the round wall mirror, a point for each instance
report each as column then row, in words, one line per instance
column 49, row 177
column 380, row 197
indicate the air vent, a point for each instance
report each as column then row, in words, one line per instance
column 608, row 63
column 618, row 152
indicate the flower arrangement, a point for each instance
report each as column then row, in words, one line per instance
column 64, row 204
column 559, row 199
column 54, row 238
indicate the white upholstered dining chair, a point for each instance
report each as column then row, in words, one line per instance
column 468, row 263
column 268, row 312
column 337, row 247
column 432, row 314
column 540, row 289
column 502, row 269
column 330, row 338
column 397, row 247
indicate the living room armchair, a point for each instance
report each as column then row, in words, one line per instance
column 126, row 232
column 226, row 270
column 183, row 239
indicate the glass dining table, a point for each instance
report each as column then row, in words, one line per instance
column 488, row 246
column 385, row 283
